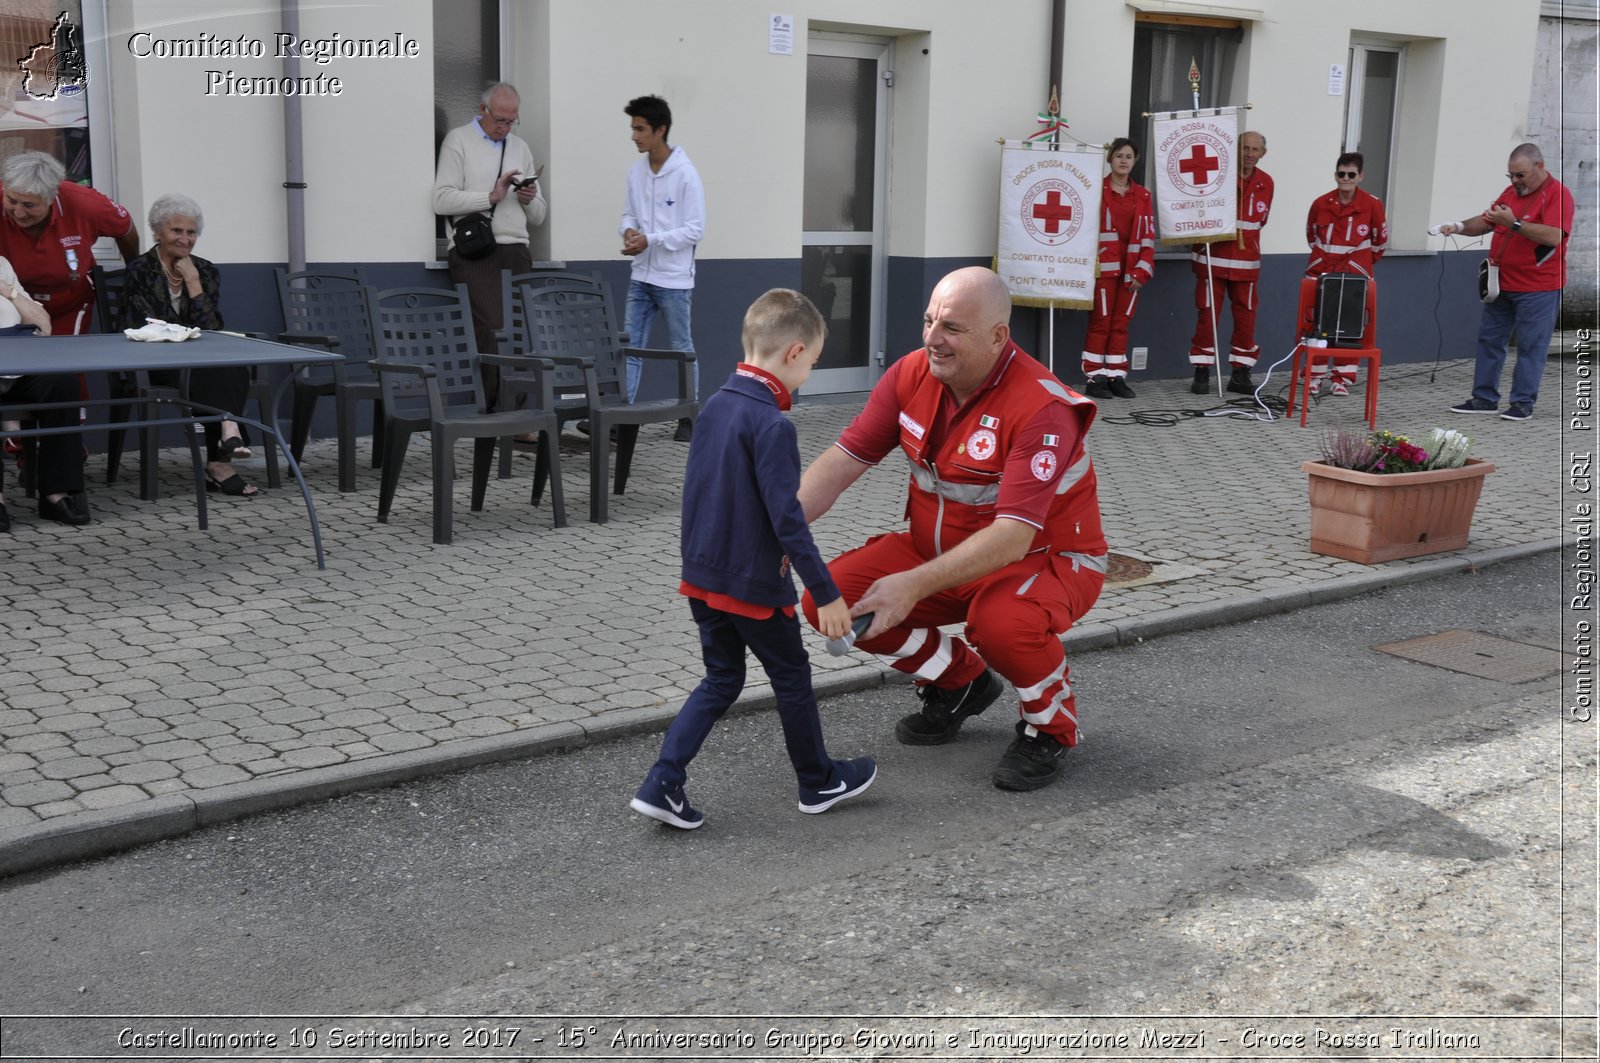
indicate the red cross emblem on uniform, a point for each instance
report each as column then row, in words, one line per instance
column 981, row 444
column 1199, row 164
column 1043, row 465
column 1052, row 212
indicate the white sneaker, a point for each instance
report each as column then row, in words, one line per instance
column 1340, row 387
column 1316, row 385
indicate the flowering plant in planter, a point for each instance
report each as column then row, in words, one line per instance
column 1381, row 497
column 1385, row 452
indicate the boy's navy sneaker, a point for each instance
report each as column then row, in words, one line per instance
column 850, row 779
column 670, row 806
column 1474, row 406
column 944, row 710
column 1032, row 760
column 1517, row 411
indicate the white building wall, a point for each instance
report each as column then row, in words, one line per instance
column 739, row 112
column 368, row 151
column 1562, row 120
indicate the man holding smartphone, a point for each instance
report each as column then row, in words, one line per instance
column 484, row 166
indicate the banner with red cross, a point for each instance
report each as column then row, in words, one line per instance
column 1194, row 175
column 1050, row 224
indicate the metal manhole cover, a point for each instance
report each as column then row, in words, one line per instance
column 1120, row 568
column 1474, row 653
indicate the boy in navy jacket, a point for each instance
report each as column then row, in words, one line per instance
column 742, row 529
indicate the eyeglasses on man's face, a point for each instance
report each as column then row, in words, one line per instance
column 1517, row 175
column 1347, row 175
column 497, row 120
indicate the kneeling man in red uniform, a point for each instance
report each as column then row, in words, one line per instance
column 1005, row 527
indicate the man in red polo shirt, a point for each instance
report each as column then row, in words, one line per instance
column 1005, row 527
column 1531, row 221
column 48, row 233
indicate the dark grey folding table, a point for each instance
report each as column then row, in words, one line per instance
column 115, row 353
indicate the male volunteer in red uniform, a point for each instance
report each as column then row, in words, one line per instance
column 1005, row 527
column 1234, row 269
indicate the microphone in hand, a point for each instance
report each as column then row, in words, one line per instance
column 841, row 646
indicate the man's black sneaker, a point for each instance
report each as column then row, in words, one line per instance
column 1120, row 388
column 1517, row 411
column 944, row 710
column 1032, row 760
column 1202, row 381
column 1474, row 406
column 1097, row 389
column 1240, row 383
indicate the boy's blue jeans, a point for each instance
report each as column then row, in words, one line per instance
column 674, row 305
column 777, row 645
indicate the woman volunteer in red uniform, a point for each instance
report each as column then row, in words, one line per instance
column 1127, row 262
column 1348, row 233
column 48, row 233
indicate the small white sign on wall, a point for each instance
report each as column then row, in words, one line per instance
column 780, row 35
column 1336, row 79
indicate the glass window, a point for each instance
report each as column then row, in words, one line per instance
column 1162, row 55
column 44, row 98
column 466, row 60
column 1371, row 105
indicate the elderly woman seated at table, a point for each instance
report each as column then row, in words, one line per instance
column 59, row 457
column 170, row 283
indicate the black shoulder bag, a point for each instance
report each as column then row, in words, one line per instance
column 474, row 233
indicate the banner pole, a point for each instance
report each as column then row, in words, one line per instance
column 1051, row 341
column 1211, row 308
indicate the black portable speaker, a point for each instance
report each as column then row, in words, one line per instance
column 1341, row 309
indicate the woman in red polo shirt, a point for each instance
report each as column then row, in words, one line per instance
column 48, row 234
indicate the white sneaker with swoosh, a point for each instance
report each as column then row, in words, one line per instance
column 851, row 778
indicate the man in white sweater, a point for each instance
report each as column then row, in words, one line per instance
column 663, row 219
column 483, row 166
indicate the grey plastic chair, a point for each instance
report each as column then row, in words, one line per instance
column 575, row 329
column 568, row 386
column 328, row 309
column 428, row 371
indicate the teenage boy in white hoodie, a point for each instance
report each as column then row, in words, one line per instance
column 663, row 218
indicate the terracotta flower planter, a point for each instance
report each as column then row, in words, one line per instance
column 1376, row 517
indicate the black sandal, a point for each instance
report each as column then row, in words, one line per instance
column 234, row 485
column 234, row 447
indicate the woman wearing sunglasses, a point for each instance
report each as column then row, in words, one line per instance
column 1348, row 232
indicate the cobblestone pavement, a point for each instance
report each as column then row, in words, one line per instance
column 157, row 676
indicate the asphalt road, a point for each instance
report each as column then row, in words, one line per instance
column 1272, row 833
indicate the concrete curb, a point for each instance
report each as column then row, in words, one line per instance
column 100, row 832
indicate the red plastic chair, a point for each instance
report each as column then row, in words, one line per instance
column 1305, row 358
